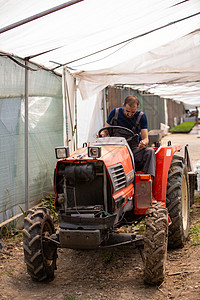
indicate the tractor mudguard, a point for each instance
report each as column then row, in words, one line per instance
column 164, row 156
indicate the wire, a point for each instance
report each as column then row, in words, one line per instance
column 128, row 40
column 102, row 57
column 178, row 3
column 19, row 63
column 27, row 67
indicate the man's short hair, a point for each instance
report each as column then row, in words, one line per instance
column 131, row 100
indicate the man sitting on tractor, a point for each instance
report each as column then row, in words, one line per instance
column 130, row 117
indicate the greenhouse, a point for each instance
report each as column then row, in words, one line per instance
column 57, row 60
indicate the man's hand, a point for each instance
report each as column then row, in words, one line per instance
column 144, row 139
column 104, row 133
column 142, row 144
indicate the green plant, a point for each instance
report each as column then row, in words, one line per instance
column 71, row 298
column 183, row 127
column 194, row 234
column 48, row 202
column 24, row 213
column 107, row 257
column 8, row 273
column 139, row 228
column 8, row 230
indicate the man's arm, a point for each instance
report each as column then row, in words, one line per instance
column 144, row 139
column 105, row 132
column 106, row 124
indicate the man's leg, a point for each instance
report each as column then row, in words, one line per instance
column 148, row 159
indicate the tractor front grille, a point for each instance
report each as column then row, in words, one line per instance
column 117, row 176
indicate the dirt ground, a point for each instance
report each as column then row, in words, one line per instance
column 114, row 273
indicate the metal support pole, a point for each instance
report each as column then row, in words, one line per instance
column 26, row 138
column 76, row 128
column 65, row 117
column 68, row 111
column 104, row 107
column 39, row 15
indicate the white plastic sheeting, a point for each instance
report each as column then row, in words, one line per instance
column 142, row 32
column 45, row 133
column 171, row 71
column 69, row 110
column 89, row 117
column 97, row 120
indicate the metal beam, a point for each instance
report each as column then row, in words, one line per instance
column 39, row 15
column 26, row 137
column 10, row 220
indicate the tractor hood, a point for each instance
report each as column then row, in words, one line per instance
column 114, row 150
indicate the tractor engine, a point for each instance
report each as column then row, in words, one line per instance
column 92, row 195
column 83, row 188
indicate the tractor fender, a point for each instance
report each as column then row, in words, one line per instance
column 164, row 156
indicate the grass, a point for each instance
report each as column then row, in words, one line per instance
column 107, row 257
column 194, row 234
column 48, row 202
column 8, row 273
column 9, row 230
column 139, row 228
column 183, row 128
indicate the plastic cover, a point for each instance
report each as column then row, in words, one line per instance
column 45, row 133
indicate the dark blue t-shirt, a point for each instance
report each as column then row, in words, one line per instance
column 123, row 121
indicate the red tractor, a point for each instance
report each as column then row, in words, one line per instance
column 99, row 189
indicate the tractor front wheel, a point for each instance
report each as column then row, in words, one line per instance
column 155, row 245
column 39, row 256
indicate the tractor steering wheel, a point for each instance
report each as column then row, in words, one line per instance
column 119, row 131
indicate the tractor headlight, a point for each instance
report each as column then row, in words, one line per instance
column 130, row 177
column 62, row 152
column 94, row 152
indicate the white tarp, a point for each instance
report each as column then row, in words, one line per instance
column 45, row 132
column 145, row 33
column 69, row 108
column 90, row 117
column 171, row 71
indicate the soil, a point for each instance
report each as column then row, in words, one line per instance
column 114, row 273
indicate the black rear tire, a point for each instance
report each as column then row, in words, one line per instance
column 155, row 245
column 38, row 256
column 178, row 203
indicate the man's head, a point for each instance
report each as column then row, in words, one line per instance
column 130, row 106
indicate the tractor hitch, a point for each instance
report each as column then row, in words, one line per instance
column 118, row 239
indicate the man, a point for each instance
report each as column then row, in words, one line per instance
column 196, row 116
column 130, row 117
